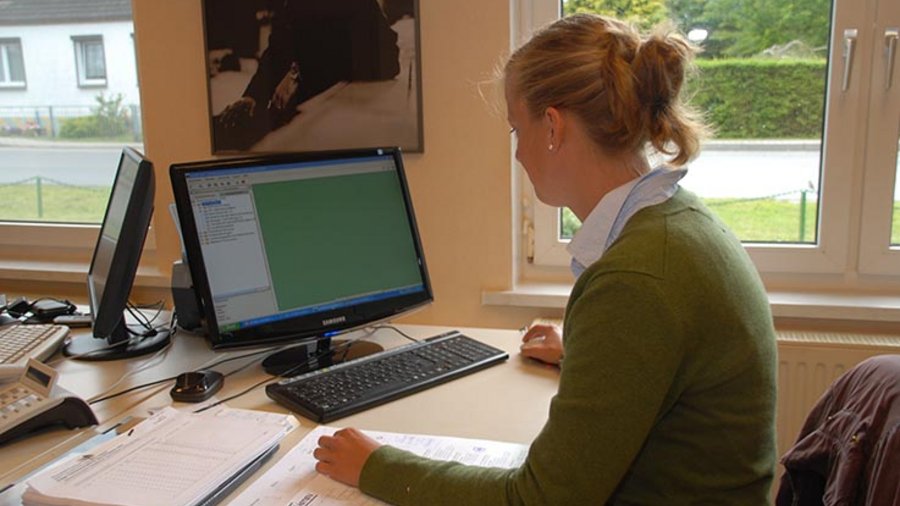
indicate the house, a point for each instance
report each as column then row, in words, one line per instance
column 58, row 56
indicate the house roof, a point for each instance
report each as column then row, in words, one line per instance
column 46, row 12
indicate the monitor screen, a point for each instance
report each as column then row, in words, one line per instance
column 286, row 247
column 114, row 266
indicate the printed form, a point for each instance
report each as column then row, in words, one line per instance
column 293, row 481
column 170, row 458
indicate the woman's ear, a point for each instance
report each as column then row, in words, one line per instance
column 554, row 122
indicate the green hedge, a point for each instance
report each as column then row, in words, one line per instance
column 761, row 99
column 108, row 120
column 93, row 127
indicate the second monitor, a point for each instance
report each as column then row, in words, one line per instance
column 114, row 267
column 299, row 247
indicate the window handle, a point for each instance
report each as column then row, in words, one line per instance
column 890, row 49
column 850, row 35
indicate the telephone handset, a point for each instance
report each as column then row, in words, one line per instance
column 30, row 400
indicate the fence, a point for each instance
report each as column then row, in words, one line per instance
column 46, row 121
column 757, row 225
column 39, row 190
column 54, row 201
column 718, row 205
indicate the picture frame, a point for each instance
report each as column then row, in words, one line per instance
column 313, row 75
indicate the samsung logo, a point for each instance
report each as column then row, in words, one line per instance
column 333, row 321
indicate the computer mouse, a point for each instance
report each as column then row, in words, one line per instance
column 196, row 386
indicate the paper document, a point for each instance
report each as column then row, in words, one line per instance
column 172, row 458
column 293, row 480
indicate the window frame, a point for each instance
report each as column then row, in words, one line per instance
column 81, row 43
column 850, row 216
column 60, row 253
column 8, row 83
column 879, row 257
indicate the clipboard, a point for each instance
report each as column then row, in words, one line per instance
column 235, row 481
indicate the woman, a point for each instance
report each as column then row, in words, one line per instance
column 667, row 363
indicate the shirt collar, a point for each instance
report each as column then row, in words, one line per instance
column 590, row 240
column 608, row 218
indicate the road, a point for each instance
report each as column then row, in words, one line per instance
column 82, row 166
column 729, row 173
column 750, row 174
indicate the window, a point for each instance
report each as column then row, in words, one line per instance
column 90, row 61
column 12, row 66
column 805, row 160
column 53, row 191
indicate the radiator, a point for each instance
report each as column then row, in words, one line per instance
column 808, row 362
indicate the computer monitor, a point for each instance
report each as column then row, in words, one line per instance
column 300, row 247
column 114, row 265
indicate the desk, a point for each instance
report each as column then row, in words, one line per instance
column 507, row 402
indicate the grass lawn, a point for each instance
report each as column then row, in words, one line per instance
column 751, row 220
column 767, row 220
column 58, row 203
column 760, row 220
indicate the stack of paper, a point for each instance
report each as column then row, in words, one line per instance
column 294, row 481
column 171, row 458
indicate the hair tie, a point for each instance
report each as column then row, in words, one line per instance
column 659, row 106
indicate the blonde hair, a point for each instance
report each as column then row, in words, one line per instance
column 624, row 88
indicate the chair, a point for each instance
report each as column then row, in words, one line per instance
column 848, row 451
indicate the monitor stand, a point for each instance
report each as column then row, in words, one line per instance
column 315, row 355
column 120, row 344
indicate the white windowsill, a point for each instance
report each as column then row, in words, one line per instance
column 71, row 272
column 828, row 306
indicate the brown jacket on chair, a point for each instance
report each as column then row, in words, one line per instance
column 849, row 449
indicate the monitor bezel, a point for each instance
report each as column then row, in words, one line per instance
column 302, row 328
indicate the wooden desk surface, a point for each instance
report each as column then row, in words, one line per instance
column 508, row 402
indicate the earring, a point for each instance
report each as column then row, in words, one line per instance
column 550, row 147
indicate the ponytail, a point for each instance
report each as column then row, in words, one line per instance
column 625, row 89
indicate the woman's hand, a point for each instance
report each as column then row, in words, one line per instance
column 544, row 343
column 342, row 456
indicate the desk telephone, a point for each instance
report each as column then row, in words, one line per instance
column 30, row 400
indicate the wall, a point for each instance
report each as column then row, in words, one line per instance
column 461, row 184
column 50, row 75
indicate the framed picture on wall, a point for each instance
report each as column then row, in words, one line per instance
column 310, row 75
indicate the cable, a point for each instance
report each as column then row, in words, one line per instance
column 142, row 320
column 395, row 329
column 345, row 345
column 30, row 312
column 88, row 353
column 235, row 396
column 173, row 330
column 144, row 366
column 204, row 366
column 132, row 389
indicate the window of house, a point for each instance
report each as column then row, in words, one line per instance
column 90, row 61
column 12, row 66
column 63, row 134
column 804, row 100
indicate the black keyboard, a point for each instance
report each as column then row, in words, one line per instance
column 350, row 387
